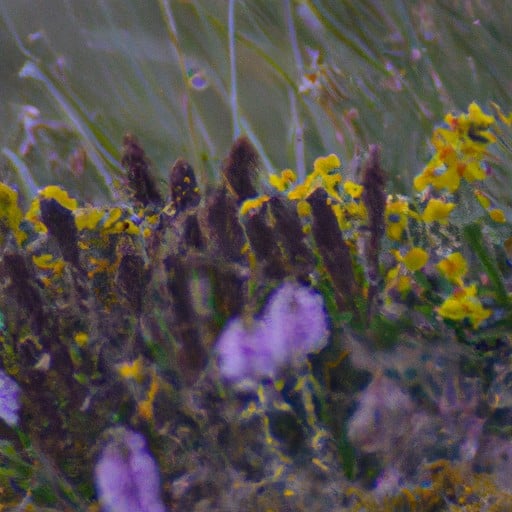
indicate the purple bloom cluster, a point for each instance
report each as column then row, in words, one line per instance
column 126, row 475
column 292, row 325
column 9, row 399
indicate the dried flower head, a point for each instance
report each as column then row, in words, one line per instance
column 9, row 399
column 127, row 476
column 240, row 168
column 140, row 180
column 60, row 223
column 333, row 249
column 183, row 186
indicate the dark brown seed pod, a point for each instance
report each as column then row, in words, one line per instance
column 374, row 198
column 141, row 182
column 22, row 290
column 223, row 227
column 240, row 168
column 61, row 225
column 192, row 355
column 333, row 249
column 291, row 236
column 131, row 276
column 264, row 244
column 183, row 186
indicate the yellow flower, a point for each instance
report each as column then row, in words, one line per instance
column 113, row 216
column 504, row 119
column 49, row 192
column 46, row 262
column 460, row 149
column 145, row 407
column 253, row 204
column 356, row 210
column 354, row 190
column 482, row 198
column 303, row 208
column 464, row 304
column 437, row 211
column 87, row 218
column 132, row 370
column 453, row 267
column 60, row 195
column 283, row 181
column 398, row 280
column 10, row 213
column 325, row 164
column 81, row 338
column 325, row 174
column 397, row 211
column 113, row 225
column 497, row 215
column 415, row 259
column 302, row 190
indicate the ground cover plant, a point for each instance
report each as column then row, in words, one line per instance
column 237, row 335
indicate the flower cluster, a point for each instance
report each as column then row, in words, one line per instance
column 292, row 325
column 127, row 476
column 460, row 149
column 346, row 200
column 9, row 399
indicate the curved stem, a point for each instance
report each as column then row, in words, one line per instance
column 298, row 135
column 232, row 65
column 187, row 99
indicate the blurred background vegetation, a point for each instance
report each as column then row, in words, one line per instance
column 312, row 77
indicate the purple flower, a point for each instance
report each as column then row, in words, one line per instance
column 292, row 325
column 244, row 352
column 127, row 476
column 297, row 323
column 9, row 399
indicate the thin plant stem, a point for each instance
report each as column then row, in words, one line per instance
column 232, row 66
column 298, row 135
column 187, row 103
